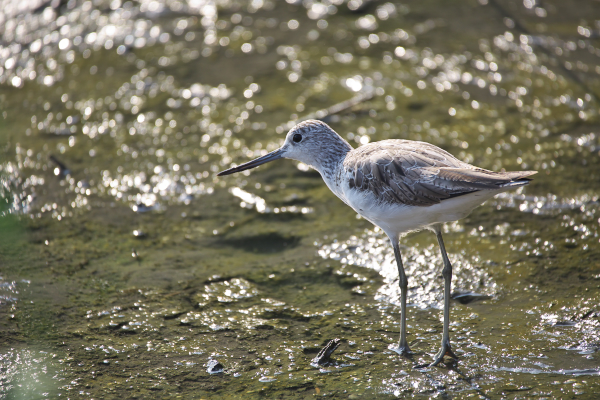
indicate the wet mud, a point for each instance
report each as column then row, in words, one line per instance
column 129, row 270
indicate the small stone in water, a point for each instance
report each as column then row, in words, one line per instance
column 214, row 367
column 466, row 298
column 139, row 234
column 326, row 352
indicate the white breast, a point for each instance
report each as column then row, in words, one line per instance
column 396, row 219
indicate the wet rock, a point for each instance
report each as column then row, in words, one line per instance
column 324, row 355
column 139, row 234
column 142, row 208
column 565, row 323
column 466, row 298
column 172, row 313
column 515, row 388
column 214, row 367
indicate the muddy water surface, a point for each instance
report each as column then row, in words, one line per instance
column 127, row 265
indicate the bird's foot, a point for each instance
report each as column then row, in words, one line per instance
column 445, row 351
column 403, row 350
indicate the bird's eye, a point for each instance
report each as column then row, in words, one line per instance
column 297, row 138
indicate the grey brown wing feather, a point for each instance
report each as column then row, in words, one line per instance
column 419, row 174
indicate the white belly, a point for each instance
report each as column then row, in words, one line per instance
column 397, row 219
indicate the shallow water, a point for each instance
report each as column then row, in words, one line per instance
column 127, row 265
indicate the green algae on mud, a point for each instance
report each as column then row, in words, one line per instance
column 144, row 103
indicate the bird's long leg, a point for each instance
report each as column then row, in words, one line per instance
column 402, row 348
column 446, row 349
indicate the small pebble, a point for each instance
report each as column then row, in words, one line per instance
column 214, row 367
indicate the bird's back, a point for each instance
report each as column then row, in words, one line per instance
column 417, row 173
column 403, row 185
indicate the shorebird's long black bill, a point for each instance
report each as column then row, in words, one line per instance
column 272, row 156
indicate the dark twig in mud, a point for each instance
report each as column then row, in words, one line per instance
column 339, row 107
column 325, row 114
column 326, row 352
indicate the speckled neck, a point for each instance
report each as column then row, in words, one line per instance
column 326, row 154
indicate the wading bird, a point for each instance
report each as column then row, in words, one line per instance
column 398, row 185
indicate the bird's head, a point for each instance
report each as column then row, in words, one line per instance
column 311, row 142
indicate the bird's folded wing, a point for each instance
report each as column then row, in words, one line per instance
column 417, row 179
